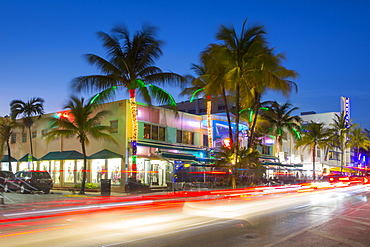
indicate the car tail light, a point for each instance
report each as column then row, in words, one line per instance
column 331, row 179
column 344, row 179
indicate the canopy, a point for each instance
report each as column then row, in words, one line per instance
column 25, row 158
column 105, row 154
column 64, row 155
column 6, row 159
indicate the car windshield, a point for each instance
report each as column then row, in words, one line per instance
column 41, row 175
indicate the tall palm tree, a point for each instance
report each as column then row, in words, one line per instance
column 236, row 52
column 358, row 140
column 268, row 74
column 82, row 123
column 207, row 83
column 29, row 109
column 130, row 65
column 252, row 68
column 341, row 128
column 315, row 135
column 7, row 126
column 281, row 119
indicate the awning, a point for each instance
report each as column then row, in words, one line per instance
column 25, row 158
column 105, row 154
column 65, row 155
column 276, row 164
column 177, row 156
column 51, row 156
column 6, row 159
column 268, row 157
column 168, row 146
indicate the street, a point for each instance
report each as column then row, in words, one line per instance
column 266, row 217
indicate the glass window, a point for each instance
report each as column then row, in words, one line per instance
column 44, row 132
column 24, row 137
column 162, row 134
column 203, row 110
column 13, row 138
column 147, row 131
column 179, row 136
column 114, row 126
column 192, row 111
column 221, row 107
column 185, row 137
column 34, row 134
column 154, row 132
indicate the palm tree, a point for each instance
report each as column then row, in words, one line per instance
column 358, row 140
column 33, row 107
column 251, row 66
column 7, row 126
column 236, row 51
column 281, row 119
column 130, row 65
column 341, row 127
column 207, row 83
column 315, row 135
column 268, row 74
column 83, row 124
column 248, row 164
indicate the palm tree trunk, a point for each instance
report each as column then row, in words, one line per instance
column 342, row 158
column 83, row 182
column 237, row 114
column 254, row 123
column 227, row 115
column 313, row 163
column 10, row 162
column 133, row 108
column 30, row 155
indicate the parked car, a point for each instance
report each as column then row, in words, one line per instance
column 4, row 176
column 28, row 181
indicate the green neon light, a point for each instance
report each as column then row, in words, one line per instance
column 297, row 133
column 103, row 92
column 251, row 116
column 193, row 95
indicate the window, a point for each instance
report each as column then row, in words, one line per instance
column 13, row 138
column 44, row 132
column 34, row 134
column 154, row 132
column 114, row 126
column 185, row 137
column 24, row 137
column 203, row 110
column 266, row 149
column 205, row 140
column 192, row 111
column 221, row 107
column 318, row 152
column 333, row 155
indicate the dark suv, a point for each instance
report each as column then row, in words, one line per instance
column 28, row 181
column 4, row 176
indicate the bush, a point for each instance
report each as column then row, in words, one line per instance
column 87, row 186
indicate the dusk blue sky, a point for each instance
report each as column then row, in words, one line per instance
column 327, row 42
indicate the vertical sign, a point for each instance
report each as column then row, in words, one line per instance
column 345, row 106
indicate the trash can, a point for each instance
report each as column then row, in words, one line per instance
column 105, row 187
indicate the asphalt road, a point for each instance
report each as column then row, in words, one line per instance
column 335, row 217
